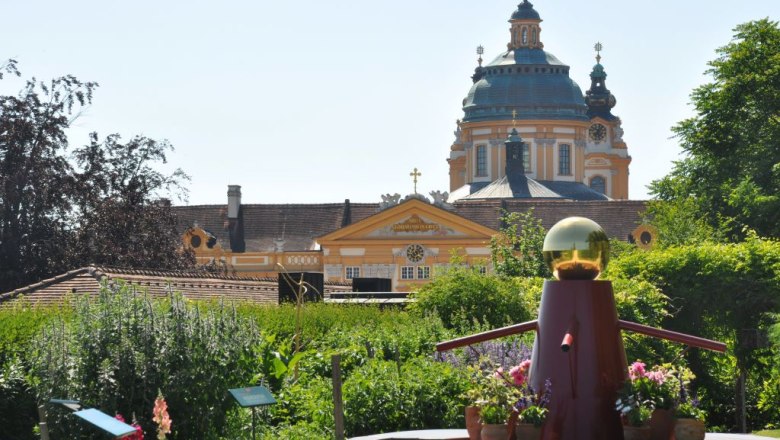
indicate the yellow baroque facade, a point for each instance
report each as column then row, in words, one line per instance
column 529, row 139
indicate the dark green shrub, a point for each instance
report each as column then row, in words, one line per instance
column 383, row 396
column 461, row 297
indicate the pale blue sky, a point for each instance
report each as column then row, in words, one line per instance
column 314, row 101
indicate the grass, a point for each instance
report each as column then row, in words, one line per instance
column 774, row 433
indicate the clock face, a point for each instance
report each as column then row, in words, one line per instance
column 597, row 132
column 415, row 253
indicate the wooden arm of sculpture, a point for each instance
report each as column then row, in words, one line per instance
column 488, row 335
column 693, row 341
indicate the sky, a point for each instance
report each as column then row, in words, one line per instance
column 318, row 102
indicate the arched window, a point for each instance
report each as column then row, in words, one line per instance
column 564, row 160
column 533, row 36
column 481, row 170
column 526, row 158
column 525, row 36
column 597, row 183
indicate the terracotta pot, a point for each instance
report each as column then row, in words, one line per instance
column 527, row 431
column 494, row 432
column 662, row 424
column 473, row 424
column 689, row 429
column 636, row 432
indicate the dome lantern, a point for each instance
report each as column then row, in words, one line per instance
column 525, row 31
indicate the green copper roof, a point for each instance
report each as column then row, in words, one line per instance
column 598, row 72
column 530, row 81
column 525, row 10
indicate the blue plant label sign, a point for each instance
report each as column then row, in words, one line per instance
column 252, row 396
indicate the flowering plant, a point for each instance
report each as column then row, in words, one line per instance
column 645, row 391
column 494, row 393
column 138, row 434
column 500, row 394
column 687, row 406
column 532, row 407
column 160, row 417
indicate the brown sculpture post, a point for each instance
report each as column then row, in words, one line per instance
column 586, row 377
column 578, row 342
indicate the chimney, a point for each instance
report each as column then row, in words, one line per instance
column 234, row 200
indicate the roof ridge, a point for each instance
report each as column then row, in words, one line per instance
column 108, row 271
column 43, row 283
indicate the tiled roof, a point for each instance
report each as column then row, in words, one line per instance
column 193, row 285
column 618, row 218
column 301, row 224
column 294, row 227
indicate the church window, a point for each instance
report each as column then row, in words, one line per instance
column 526, row 158
column 423, row 272
column 564, row 160
column 533, row 36
column 352, row 272
column 481, row 161
column 407, row 272
column 598, row 183
column 525, row 36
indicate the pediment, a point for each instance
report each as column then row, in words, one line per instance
column 413, row 219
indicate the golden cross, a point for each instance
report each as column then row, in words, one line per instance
column 415, row 174
column 514, row 117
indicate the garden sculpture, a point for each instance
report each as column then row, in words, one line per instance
column 578, row 342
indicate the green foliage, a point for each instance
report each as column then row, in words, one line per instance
column 18, row 413
column 640, row 301
column 461, row 296
column 104, row 207
column 20, row 323
column 721, row 291
column 730, row 179
column 121, row 348
column 385, row 396
column 516, row 251
column 679, row 222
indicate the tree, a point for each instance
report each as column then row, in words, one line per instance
column 35, row 177
column 516, row 251
column 54, row 216
column 732, row 170
column 125, row 217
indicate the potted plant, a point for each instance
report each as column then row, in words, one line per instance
column 647, row 393
column 690, row 418
column 532, row 412
column 494, row 394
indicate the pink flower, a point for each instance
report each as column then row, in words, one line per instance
column 139, row 433
column 161, row 417
column 525, row 366
column 656, row 376
column 636, row 370
column 517, row 375
column 499, row 374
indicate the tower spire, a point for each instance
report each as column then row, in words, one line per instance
column 598, row 47
column 598, row 98
column 479, row 72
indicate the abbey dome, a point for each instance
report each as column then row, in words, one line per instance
column 529, row 131
column 529, row 81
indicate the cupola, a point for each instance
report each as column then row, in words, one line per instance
column 598, row 98
column 525, row 28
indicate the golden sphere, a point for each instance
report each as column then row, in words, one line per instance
column 576, row 248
